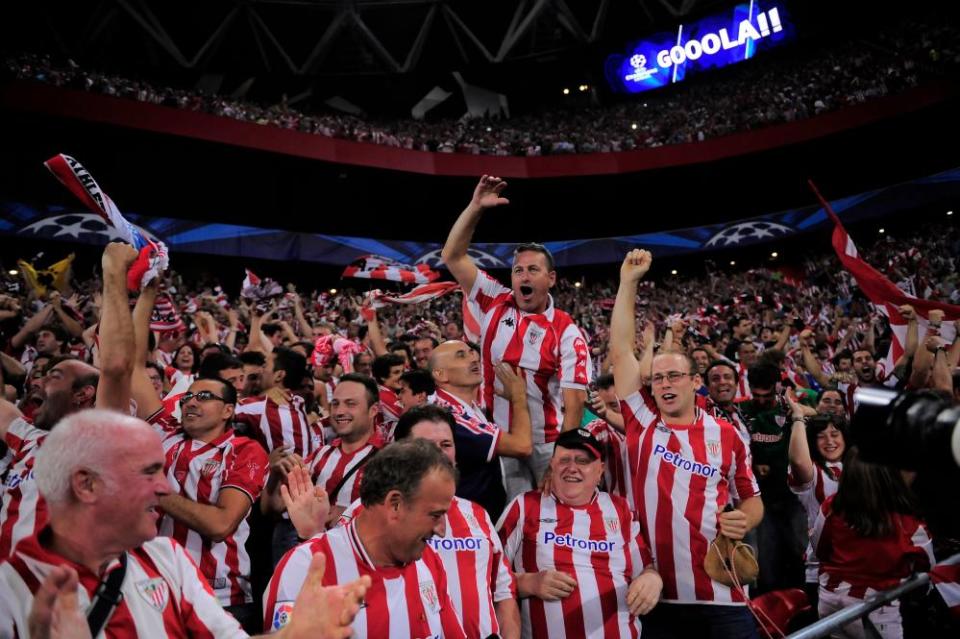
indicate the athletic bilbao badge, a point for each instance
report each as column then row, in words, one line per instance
column 156, row 592
column 613, row 525
column 209, row 468
column 714, row 448
column 428, row 592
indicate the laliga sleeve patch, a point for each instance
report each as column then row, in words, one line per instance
column 281, row 614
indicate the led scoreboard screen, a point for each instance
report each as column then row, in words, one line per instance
column 716, row 41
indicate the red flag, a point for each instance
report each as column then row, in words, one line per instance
column 884, row 293
column 375, row 267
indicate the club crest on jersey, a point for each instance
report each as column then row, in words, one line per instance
column 613, row 525
column 281, row 614
column 472, row 521
column 428, row 592
column 155, row 592
column 781, row 420
column 209, row 468
column 534, row 335
column 713, row 446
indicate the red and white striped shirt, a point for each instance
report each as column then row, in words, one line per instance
column 24, row 512
column 857, row 566
column 478, row 574
column 599, row 544
column 163, row 593
column 682, row 478
column 199, row 472
column 614, row 443
column 547, row 347
column 274, row 424
column 402, row 602
column 330, row 464
column 812, row 495
column 388, row 415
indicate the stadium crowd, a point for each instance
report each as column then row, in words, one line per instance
column 812, row 81
column 662, row 458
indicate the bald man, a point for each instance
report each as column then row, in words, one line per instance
column 101, row 474
column 456, row 371
column 68, row 386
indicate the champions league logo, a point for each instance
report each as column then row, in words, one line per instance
column 747, row 233
column 482, row 259
column 83, row 227
column 640, row 70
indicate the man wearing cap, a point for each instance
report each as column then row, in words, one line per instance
column 581, row 562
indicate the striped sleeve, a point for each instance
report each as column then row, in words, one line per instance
column 510, row 528
column 503, row 583
column 486, row 291
column 575, row 363
column 286, row 583
column 248, row 469
column 199, row 608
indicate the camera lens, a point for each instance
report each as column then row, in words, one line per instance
column 912, row 431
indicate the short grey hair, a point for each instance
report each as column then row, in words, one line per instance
column 402, row 466
column 84, row 440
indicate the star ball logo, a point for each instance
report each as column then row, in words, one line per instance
column 748, row 233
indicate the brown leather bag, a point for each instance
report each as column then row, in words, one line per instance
column 727, row 558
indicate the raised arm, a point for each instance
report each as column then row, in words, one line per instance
column 626, row 368
column 486, row 195
column 140, row 386
column 810, row 360
column 116, row 330
column 518, row 442
column 377, row 343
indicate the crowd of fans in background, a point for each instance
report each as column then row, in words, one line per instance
column 818, row 292
column 763, row 93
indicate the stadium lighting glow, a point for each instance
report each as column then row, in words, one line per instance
column 576, row 284
column 733, row 262
column 774, row 254
column 566, row 91
column 883, row 230
column 13, row 271
column 634, row 126
column 673, row 272
column 583, row 87
column 949, row 212
column 333, row 291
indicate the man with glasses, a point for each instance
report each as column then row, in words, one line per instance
column 684, row 464
column 215, row 476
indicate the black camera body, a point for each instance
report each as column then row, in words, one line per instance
column 918, row 432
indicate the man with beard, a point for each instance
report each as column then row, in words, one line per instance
column 337, row 467
column 722, row 380
column 68, row 386
column 521, row 327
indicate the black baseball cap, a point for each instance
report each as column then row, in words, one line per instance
column 582, row 439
